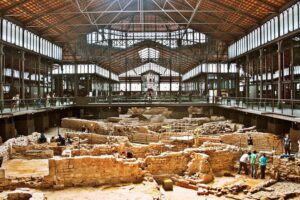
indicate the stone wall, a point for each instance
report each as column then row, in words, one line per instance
column 92, row 126
column 38, row 151
column 261, row 141
column 143, row 138
column 167, row 163
column 93, row 138
column 5, row 148
column 222, row 160
column 93, row 171
column 96, row 150
column 142, row 151
column 222, row 157
column 285, row 169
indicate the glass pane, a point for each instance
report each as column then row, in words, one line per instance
column 4, row 29
column 296, row 17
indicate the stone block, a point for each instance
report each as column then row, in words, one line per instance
column 167, row 184
column 2, row 174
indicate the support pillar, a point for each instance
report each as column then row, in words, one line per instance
column 247, row 77
column 279, row 86
column 76, row 86
column 261, row 72
column 170, row 64
column 109, row 88
column 237, row 81
column 39, row 76
column 23, row 78
column 1, row 77
column 292, row 86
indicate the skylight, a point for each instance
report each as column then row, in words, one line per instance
column 149, row 67
column 120, row 39
column 149, row 54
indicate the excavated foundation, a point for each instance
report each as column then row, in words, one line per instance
column 199, row 155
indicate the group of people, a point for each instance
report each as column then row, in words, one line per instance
column 50, row 99
column 60, row 140
column 252, row 158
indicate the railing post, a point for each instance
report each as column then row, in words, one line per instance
column 292, row 109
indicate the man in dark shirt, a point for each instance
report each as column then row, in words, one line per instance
column 250, row 142
column 287, row 145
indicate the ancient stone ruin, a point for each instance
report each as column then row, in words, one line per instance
column 198, row 154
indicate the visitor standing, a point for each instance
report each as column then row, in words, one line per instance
column 253, row 164
column 244, row 160
column 250, row 142
column 48, row 99
column 287, row 145
column 263, row 165
column 13, row 103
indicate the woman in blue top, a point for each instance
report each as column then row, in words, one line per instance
column 263, row 164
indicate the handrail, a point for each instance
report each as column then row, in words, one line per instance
column 17, row 105
column 279, row 106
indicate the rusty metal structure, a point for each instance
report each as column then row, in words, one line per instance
column 229, row 48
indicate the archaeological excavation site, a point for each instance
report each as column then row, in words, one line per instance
column 146, row 154
column 149, row 99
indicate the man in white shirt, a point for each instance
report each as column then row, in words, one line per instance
column 244, row 160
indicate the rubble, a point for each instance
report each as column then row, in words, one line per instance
column 219, row 127
column 22, row 194
column 92, row 126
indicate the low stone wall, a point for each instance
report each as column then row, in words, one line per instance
column 38, row 151
column 5, row 148
column 126, row 130
column 92, row 126
column 261, row 141
column 222, row 157
column 93, row 138
column 143, row 138
column 167, row 163
column 93, row 171
column 285, row 169
column 142, row 151
column 97, row 150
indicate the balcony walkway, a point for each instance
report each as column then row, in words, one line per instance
column 267, row 107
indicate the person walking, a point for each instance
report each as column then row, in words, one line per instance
column 244, row 160
column 253, row 164
column 263, row 165
column 287, row 145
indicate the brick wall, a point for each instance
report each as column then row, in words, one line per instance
column 84, row 171
column 167, row 163
column 261, row 141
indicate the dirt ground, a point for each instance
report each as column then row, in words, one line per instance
column 280, row 189
column 26, row 168
column 146, row 191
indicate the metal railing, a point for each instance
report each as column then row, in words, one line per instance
column 18, row 105
column 147, row 100
column 268, row 105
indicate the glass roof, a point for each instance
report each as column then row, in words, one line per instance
column 120, row 39
column 149, row 54
column 149, row 67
